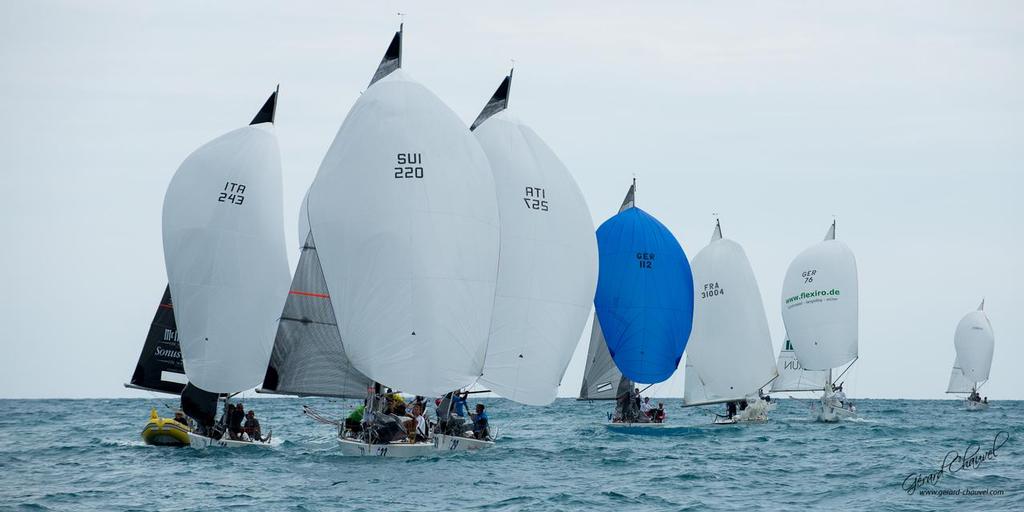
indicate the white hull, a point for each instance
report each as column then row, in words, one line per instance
column 447, row 443
column 202, row 442
column 971, row 405
column 831, row 411
column 356, row 448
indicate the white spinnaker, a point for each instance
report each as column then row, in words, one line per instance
column 410, row 262
column 975, row 344
column 304, row 219
column 958, row 383
column 547, row 272
column 819, row 304
column 730, row 348
column 792, row 377
column 226, row 259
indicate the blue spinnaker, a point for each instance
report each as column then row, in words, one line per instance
column 644, row 295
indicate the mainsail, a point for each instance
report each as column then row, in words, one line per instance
column 309, row 357
column 819, row 304
column 600, row 376
column 225, row 255
column 975, row 344
column 644, row 298
column 405, row 217
column 159, row 367
column 793, row 377
column 958, row 382
column 729, row 356
column 547, row 269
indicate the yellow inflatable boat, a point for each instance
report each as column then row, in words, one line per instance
column 165, row 431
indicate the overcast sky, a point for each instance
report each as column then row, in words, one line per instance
column 904, row 121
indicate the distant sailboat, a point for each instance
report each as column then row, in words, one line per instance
column 226, row 264
column 975, row 345
column 820, row 310
column 643, row 303
column 547, row 270
column 405, row 219
column 729, row 357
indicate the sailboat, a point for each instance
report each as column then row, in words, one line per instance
column 160, row 370
column 224, row 250
column 819, row 308
column 729, row 357
column 975, row 344
column 643, row 305
column 547, row 269
column 405, row 219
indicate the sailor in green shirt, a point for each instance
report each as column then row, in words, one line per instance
column 354, row 422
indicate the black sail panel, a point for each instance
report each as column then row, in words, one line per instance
column 497, row 103
column 199, row 404
column 269, row 110
column 309, row 357
column 392, row 58
column 160, row 367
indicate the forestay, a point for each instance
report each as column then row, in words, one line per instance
column 730, row 350
column 309, row 356
column 975, row 343
column 406, row 223
column 224, row 250
column 819, row 304
column 644, row 297
column 600, row 375
column 547, row 269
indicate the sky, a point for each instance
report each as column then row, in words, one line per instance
column 903, row 121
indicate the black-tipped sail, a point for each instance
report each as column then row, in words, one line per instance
column 269, row 110
column 160, row 367
column 497, row 103
column 199, row 404
column 601, row 378
column 308, row 356
column 392, row 58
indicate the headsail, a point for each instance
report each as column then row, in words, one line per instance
column 547, row 268
column 730, row 350
column 159, row 367
column 308, row 356
column 199, row 404
column 975, row 344
column 644, row 298
column 793, row 377
column 406, row 223
column 819, row 304
column 224, row 250
column 600, row 374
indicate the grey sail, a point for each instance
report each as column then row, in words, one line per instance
column 308, row 356
column 392, row 58
column 601, row 378
column 497, row 103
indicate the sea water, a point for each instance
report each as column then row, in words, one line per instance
column 88, row 455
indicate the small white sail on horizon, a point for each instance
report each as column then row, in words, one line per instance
column 729, row 356
column 975, row 345
column 547, row 269
column 224, row 249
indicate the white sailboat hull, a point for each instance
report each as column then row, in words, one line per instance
column 202, row 442
column 831, row 411
column 356, row 448
column 971, row 405
column 448, row 443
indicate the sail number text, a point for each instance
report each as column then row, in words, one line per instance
column 536, row 199
column 232, row 193
column 808, row 275
column 409, row 165
column 711, row 290
column 645, row 259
